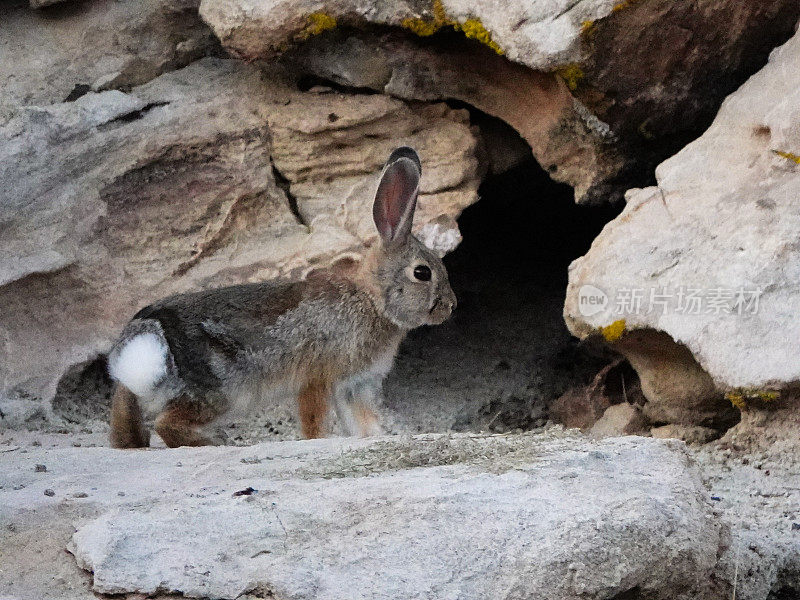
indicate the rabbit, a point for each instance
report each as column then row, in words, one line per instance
column 189, row 358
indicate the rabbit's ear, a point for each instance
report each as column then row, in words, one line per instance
column 396, row 197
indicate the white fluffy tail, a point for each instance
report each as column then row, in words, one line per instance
column 140, row 363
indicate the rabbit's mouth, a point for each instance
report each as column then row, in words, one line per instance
column 439, row 312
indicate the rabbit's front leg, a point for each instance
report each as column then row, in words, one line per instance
column 312, row 403
column 356, row 401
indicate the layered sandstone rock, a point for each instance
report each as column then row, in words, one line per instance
column 601, row 90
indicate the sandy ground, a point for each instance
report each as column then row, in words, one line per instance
column 753, row 475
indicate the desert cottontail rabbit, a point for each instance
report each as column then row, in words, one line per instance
column 189, row 358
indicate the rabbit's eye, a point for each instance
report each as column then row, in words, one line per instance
column 422, row 272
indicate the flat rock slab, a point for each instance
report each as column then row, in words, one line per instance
column 516, row 516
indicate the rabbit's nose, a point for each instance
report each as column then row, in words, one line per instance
column 449, row 301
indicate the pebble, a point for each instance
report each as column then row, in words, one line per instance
column 80, row 495
column 49, row 492
column 40, row 469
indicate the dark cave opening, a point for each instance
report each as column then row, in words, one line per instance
column 506, row 352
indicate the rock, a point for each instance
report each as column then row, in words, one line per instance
column 753, row 471
column 458, row 516
column 620, row 419
column 505, row 148
column 578, row 408
column 564, row 138
column 582, row 407
column 771, row 426
column 540, row 35
column 691, row 434
column 19, row 412
column 678, row 390
column 599, row 105
column 328, row 145
column 57, row 55
column 121, row 198
column 656, row 72
column 720, row 228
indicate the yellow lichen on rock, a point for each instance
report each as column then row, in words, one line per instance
column 440, row 14
column 737, row 399
column 572, row 75
column 788, row 156
column 475, row 30
column 426, row 27
column 623, row 5
column 588, row 28
column 611, row 333
column 471, row 28
column 420, row 27
column 316, row 23
column 740, row 397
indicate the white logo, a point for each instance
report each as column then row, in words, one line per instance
column 591, row 300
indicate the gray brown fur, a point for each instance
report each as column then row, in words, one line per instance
column 331, row 336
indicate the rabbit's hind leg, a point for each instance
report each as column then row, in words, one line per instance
column 127, row 425
column 180, row 424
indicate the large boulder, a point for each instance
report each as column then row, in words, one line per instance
column 116, row 199
column 712, row 255
column 522, row 516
